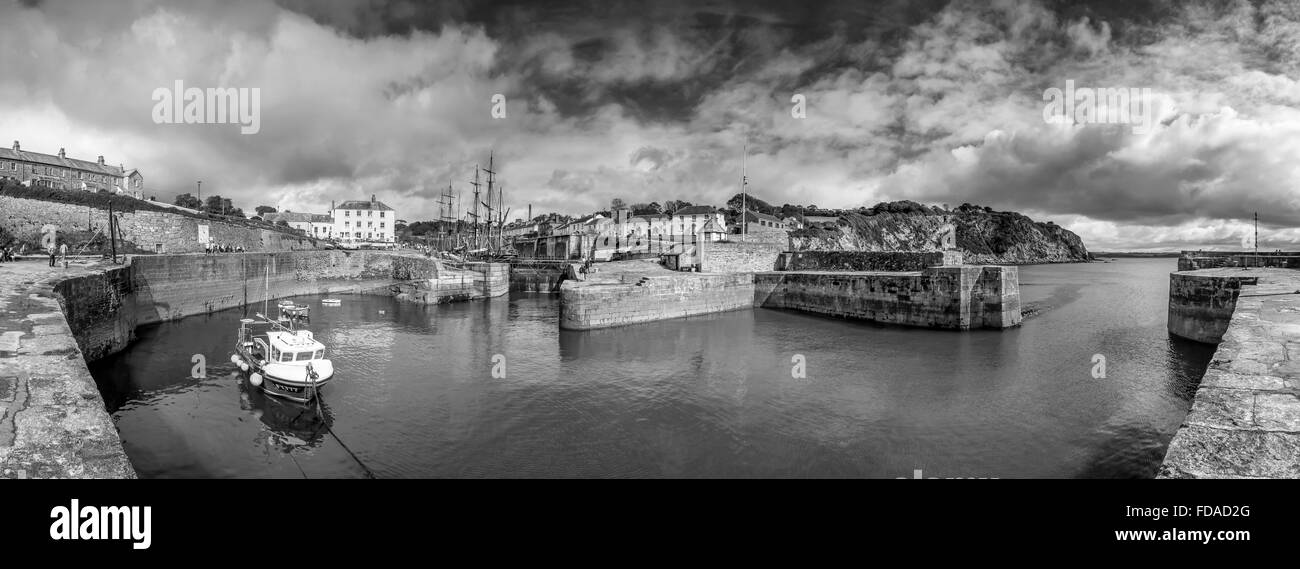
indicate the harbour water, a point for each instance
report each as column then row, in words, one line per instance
column 416, row 396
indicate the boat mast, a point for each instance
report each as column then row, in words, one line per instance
column 491, row 178
column 474, row 215
column 266, row 294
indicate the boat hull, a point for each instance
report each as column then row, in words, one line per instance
column 285, row 388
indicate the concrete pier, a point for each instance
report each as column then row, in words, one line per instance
column 931, row 289
column 961, row 297
column 1245, row 417
column 52, row 419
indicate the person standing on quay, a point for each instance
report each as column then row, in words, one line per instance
column 51, row 251
column 63, row 252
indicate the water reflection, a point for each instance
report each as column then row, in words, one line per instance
column 289, row 424
column 415, row 396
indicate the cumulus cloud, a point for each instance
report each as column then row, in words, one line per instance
column 939, row 102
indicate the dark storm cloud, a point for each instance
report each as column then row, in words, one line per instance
column 935, row 101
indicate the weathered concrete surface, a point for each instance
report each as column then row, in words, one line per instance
column 1245, row 418
column 1193, row 260
column 634, row 292
column 1201, row 302
column 960, row 297
column 53, row 423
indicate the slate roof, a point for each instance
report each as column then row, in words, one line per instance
column 50, row 160
column 361, row 204
column 695, row 210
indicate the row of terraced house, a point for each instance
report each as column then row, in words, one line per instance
column 38, row 170
column 624, row 235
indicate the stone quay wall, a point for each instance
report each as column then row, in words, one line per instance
column 1244, row 421
column 540, row 276
column 866, row 260
column 1201, row 305
column 1196, row 260
column 167, row 233
column 104, row 308
column 960, row 298
column 739, row 257
column 474, row 281
column 586, row 306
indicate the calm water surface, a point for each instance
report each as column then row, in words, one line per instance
column 709, row 396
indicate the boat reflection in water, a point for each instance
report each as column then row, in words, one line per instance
column 290, row 425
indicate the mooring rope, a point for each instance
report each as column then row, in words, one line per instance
column 321, row 413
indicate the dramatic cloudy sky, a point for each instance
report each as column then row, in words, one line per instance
column 937, row 102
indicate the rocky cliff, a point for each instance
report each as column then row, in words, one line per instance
column 983, row 235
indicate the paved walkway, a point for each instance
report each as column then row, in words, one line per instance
column 1245, row 420
column 52, row 419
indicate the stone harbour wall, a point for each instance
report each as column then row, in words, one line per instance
column 1201, row 305
column 739, row 257
column 866, row 260
column 53, row 420
column 161, row 232
column 1244, row 421
column 1196, row 260
column 474, row 281
column 100, row 311
column 540, row 276
column 586, row 306
column 959, row 298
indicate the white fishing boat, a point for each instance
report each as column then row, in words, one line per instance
column 331, row 302
column 282, row 361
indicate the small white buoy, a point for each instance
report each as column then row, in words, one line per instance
column 255, row 379
column 243, row 366
column 381, row 311
column 234, row 358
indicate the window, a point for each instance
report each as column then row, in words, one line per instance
column 381, row 225
column 370, row 213
column 304, row 356
column 347, row 223
column 347, row 213
column 370, row 224
column 319, row 354
column 157, row 247
column 381, row 214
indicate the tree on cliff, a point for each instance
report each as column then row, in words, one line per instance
column 652, row 208
column 189, row 201
column 751, row 202
column 671, row 206
column 265, row 209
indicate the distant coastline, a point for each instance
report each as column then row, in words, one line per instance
column 1145, row 255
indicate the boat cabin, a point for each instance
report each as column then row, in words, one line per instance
column 282, row 346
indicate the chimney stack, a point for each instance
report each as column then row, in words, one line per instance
column 372, row 198
column 101, row 160
column 17, row 147
column 62, row 154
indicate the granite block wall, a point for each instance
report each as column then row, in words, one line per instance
column 959, row 298
column 585, row 306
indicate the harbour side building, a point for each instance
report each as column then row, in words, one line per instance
column 359, row 221
column 38, row 170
